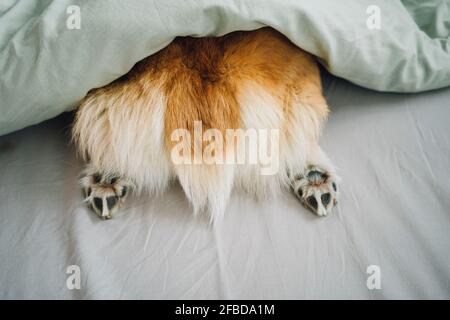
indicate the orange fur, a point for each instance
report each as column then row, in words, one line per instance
column 202, row 76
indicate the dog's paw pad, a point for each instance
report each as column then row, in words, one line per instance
column 316, row 189
column 104, row 193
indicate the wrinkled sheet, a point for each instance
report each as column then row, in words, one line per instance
column 392, row 151
column 46, row 67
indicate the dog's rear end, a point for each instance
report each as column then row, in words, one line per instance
column 132, row 129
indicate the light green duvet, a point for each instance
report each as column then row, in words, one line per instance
column 53, row 51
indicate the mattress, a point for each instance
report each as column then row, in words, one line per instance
column 392, row 221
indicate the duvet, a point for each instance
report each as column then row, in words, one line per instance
column 52, row 52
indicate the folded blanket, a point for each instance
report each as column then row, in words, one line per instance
column 53, row 52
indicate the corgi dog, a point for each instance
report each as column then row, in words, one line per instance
column 166, row 119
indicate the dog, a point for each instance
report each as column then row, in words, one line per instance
column 245, row 80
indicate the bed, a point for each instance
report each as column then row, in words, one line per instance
column 393, row 219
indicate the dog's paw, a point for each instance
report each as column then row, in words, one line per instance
column 316, row 189
column 104, row 193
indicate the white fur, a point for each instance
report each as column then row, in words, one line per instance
column 135, row 148
column 129, row 140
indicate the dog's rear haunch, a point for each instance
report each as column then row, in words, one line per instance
column 242, row 81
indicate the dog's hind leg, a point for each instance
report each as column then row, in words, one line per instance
column 104, row 192
column 316, row 186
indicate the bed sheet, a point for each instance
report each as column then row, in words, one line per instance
column 392, row 151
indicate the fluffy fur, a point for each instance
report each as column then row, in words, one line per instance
column 256, row 79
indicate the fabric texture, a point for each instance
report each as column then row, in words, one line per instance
column 392, row 152
column 46, row 68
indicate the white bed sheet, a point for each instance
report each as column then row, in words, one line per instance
column 392, row 151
